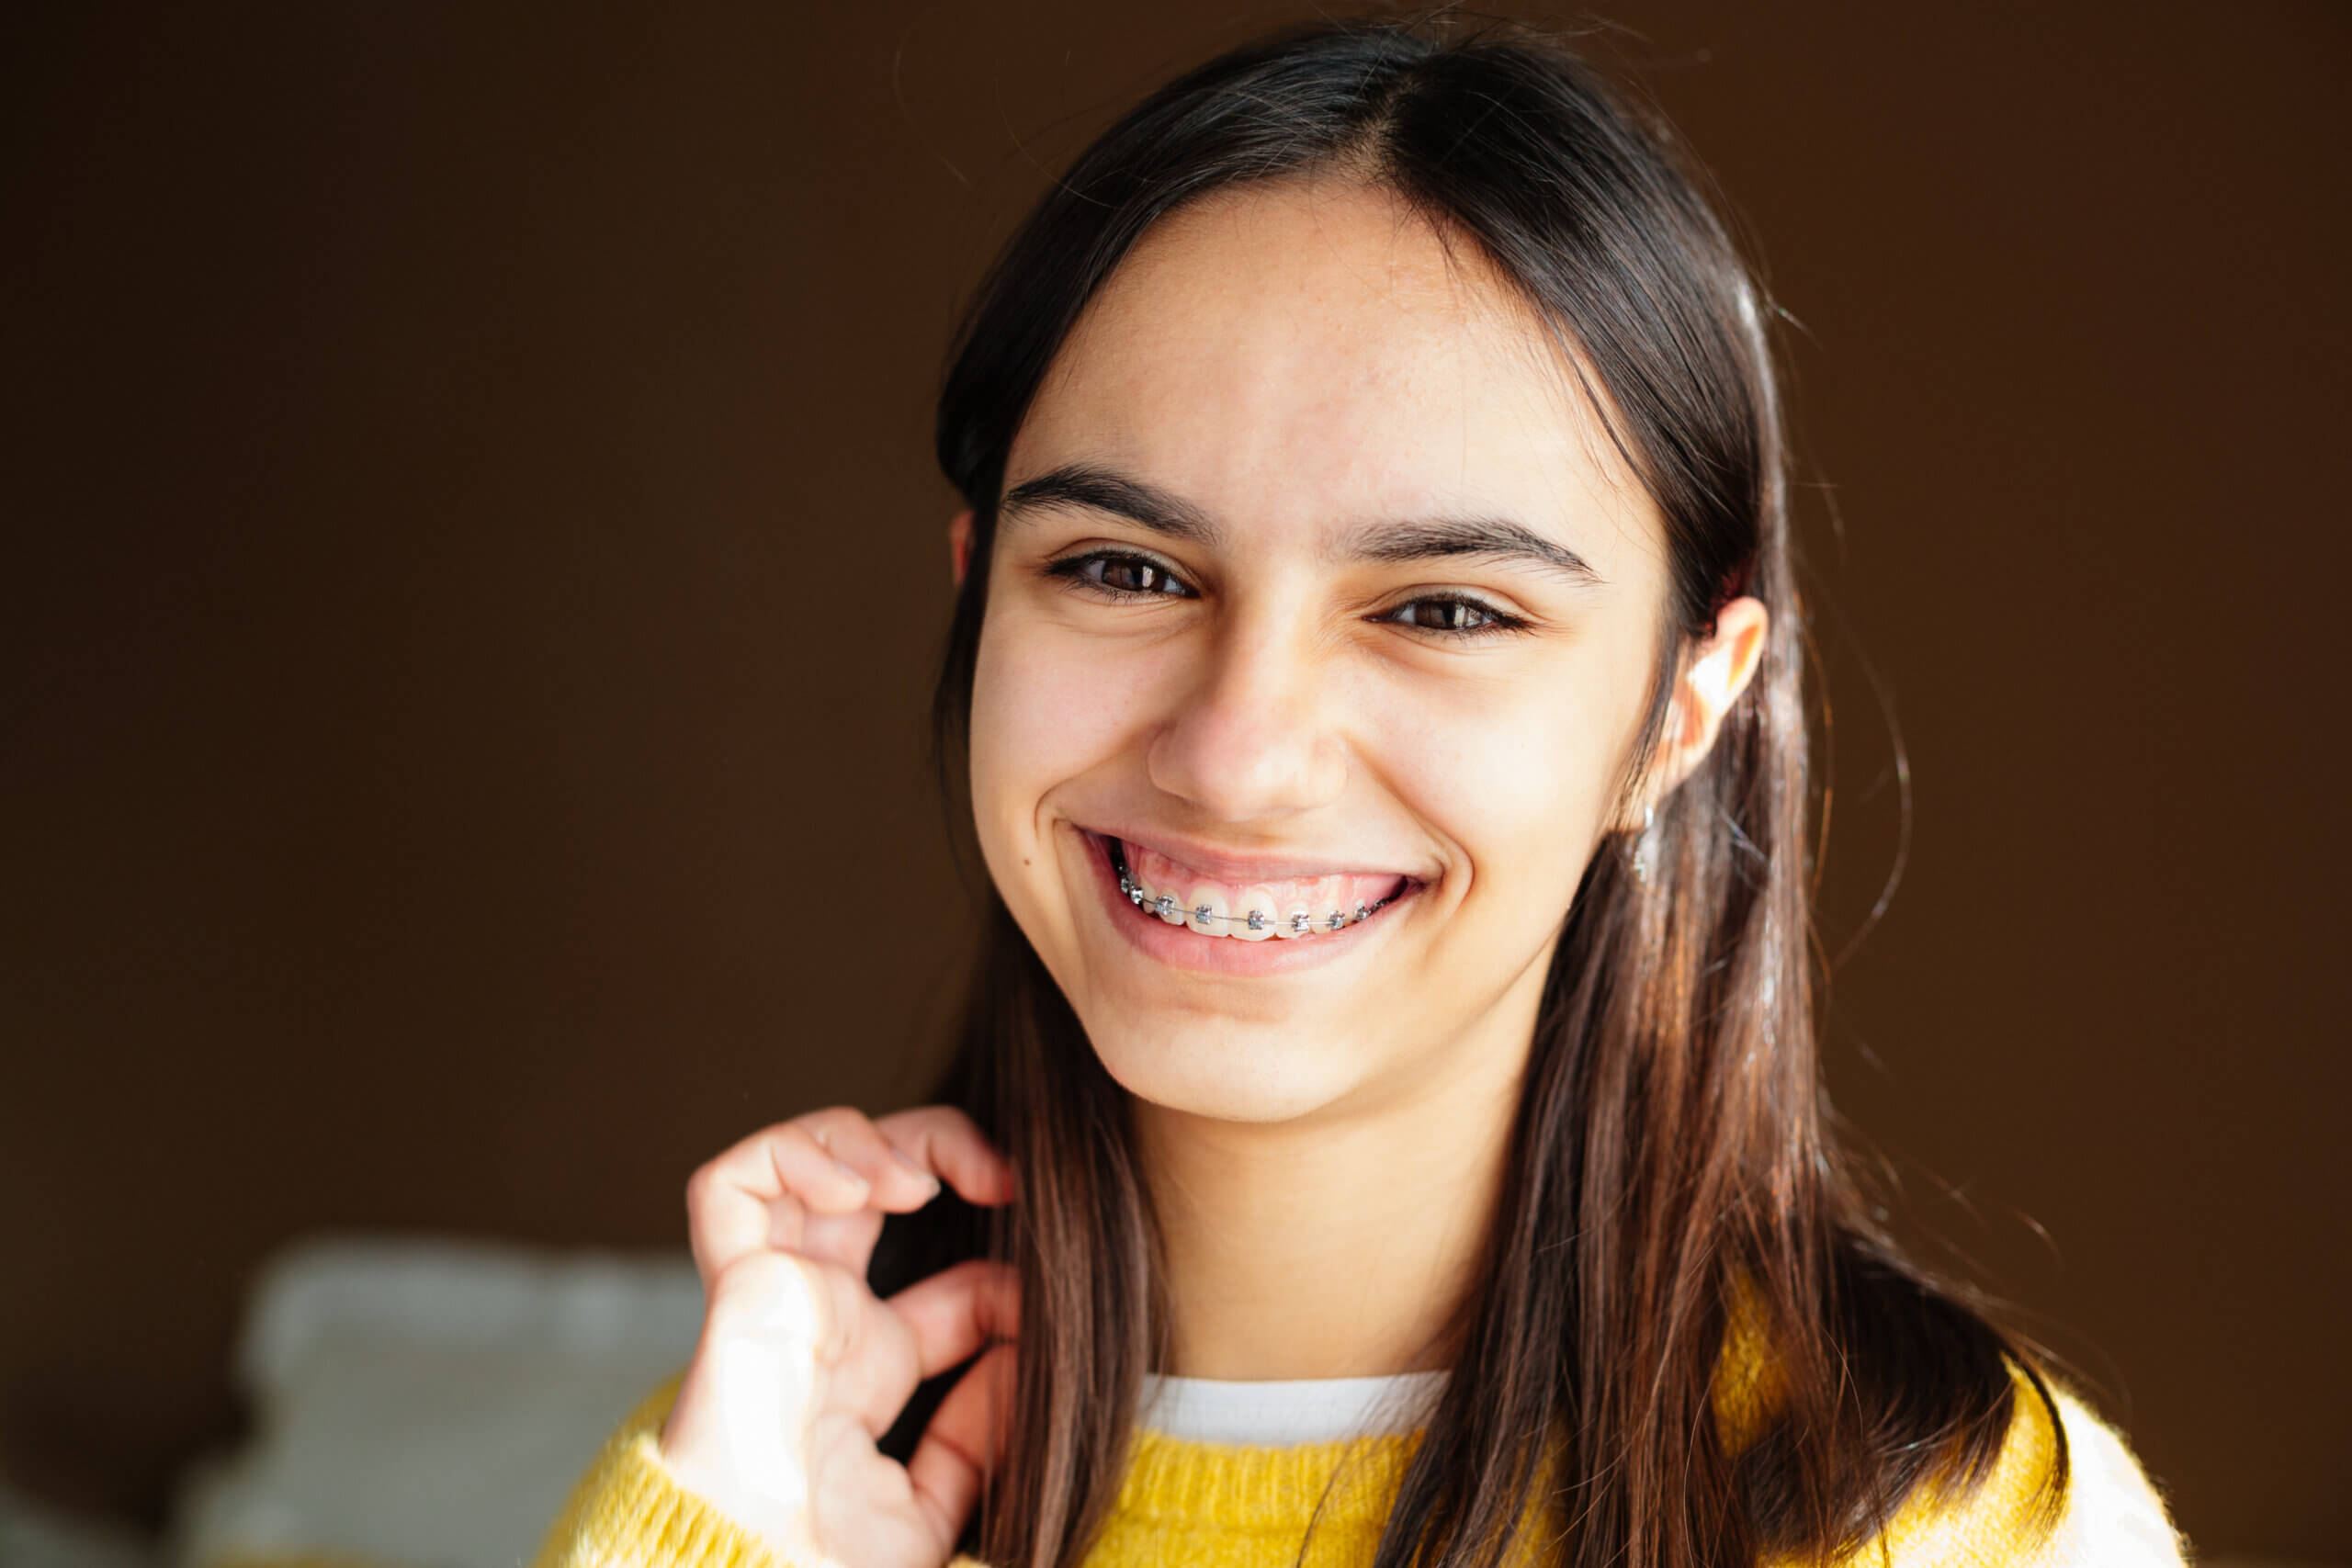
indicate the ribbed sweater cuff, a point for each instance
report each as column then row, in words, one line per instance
column 637, row 1515
column 634, row 1514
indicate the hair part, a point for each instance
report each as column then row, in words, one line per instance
column 1676, row 1196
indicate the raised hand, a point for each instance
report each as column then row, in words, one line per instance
column 801, row 1368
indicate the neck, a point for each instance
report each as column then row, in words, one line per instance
column 1340, row 1244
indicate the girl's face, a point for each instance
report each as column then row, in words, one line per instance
column 1315, row 584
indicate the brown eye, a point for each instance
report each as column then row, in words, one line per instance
column 1446, row 615
column 1130, row 576
column 1123, row 575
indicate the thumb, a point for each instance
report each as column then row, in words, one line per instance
column 965, row 1441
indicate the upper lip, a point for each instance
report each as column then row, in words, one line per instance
column 1221, row 866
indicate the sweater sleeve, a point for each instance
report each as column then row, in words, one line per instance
column 628, row 1511
column 2111, row 1515
column 2113, row 1512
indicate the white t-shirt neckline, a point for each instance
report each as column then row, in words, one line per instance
column 1281, row 1414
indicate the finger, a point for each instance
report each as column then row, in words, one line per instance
column 723, row 1227
column 898, row 1182
column 943, row 1139
column 959, row 1309
column 925, row 1329
column 964, row 1442
column 758, row 1193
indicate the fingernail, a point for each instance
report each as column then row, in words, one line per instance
column 849, row 1173
column 906, row 1162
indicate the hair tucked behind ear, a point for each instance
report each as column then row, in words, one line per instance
column 1687, row 1328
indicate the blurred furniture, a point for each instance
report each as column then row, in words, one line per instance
column 418, row 1403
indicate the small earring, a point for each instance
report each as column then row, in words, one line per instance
column 1645, row 847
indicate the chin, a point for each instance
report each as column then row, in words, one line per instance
column 1222, row 1068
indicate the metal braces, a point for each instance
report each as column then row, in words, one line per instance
column 1301, row 924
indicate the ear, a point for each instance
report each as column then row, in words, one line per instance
column 1719, row 672
column 959, row 544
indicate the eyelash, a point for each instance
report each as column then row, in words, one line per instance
column 1072, row 571
column 1075, row 573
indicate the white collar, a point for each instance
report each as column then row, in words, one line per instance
column 1279, row 1415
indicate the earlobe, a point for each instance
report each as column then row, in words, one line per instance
column 959, row 544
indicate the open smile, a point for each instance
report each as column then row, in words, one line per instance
column 1184, row 916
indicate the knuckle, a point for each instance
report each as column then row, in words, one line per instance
column 943, row 1122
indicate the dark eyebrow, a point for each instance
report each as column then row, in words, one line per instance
column 1485, row 538
column 1099, row 490
column 1488, row 538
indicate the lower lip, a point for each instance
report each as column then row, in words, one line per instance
column 1181, row 948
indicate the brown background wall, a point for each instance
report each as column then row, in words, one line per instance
column 472, row 568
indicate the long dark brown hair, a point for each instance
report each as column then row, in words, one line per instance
column 1673, row 1177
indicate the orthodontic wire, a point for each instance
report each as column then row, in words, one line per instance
column 1301, row 924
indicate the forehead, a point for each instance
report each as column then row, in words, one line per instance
column 1301, row 356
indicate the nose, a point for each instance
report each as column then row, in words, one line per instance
column 1255, row 737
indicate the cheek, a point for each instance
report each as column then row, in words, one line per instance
column 1517, row 773
column 1046, row 708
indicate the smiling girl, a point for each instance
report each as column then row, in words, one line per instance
column 1389, row 1085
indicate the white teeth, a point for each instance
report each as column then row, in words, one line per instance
column 1313, row 907
column 1147, row 899
column 1209, row 899
column 1256, row 909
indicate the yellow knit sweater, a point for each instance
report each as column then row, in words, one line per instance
column 1185, row 1502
